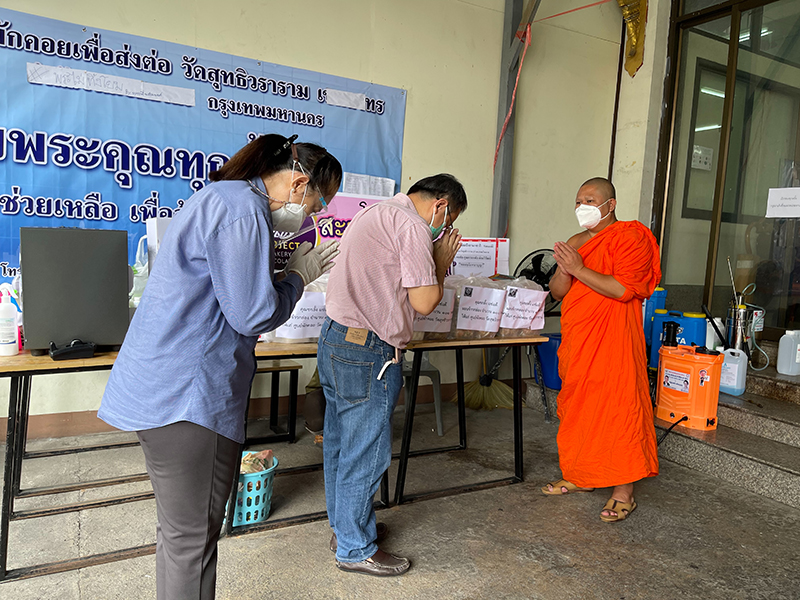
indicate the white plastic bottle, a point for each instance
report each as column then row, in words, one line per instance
column 8, row 326
column 733, row 378
column 789, row 354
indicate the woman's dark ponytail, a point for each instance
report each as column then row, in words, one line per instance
column 262, row 155
column 272, row 153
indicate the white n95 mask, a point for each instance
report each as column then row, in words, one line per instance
column 589, row 216
column 289, row 217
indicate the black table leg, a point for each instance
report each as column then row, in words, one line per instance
column 462, row 429
column 405, row 446
column 273, row 401
column 516, row 355
column 293, row 379
column 8, row 471
column 385, row 488
column 462, row 402
column 22, row 432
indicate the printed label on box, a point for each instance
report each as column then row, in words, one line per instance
column 480, row 309
column 676, row 380
column 524, row 309
column 441, row 317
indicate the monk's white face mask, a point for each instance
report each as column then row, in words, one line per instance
column 590, row 216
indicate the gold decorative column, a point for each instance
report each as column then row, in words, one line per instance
column 634, row 13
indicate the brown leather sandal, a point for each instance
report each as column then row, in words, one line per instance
column 563, row 483
column 622, row 509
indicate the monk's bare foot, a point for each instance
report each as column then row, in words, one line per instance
column 566, row 488
column 621, row 493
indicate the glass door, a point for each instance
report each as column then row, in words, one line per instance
column 735, row 135
column 764, row 153
column 699, row 105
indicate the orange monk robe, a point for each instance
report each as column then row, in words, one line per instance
column 606, row 436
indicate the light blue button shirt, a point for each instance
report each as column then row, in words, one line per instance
column 188, row 354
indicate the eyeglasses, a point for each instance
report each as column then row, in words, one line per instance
column 446, row 216
column 321, row 199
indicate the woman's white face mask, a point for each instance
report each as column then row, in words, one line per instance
column 590, row 216
column 289, row 217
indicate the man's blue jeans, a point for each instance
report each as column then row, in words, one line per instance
column 357, row 446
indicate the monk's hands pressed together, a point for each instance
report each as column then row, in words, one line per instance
column 571, row 262
column 568, row 258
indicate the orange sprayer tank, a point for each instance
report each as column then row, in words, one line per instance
column 688, row 385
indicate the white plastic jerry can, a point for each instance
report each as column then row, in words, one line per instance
column 789, row 354
column 733, row 378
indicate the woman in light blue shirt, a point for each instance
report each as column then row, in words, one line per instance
column 183, row 375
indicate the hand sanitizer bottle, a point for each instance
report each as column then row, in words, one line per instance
column 9, row 343
column 733, row 378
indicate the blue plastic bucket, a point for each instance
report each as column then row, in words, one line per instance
column 254, row 496
column 657, row 300
column 694, row 329
column 548, row 352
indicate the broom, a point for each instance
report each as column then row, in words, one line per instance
column 488, row 393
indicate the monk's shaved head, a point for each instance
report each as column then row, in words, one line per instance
column 602, row 185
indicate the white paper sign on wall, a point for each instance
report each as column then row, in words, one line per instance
column 481, row 257
column 783, row 203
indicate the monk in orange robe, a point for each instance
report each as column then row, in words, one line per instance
column 606, row 436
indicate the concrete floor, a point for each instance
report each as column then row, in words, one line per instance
column 692, row 536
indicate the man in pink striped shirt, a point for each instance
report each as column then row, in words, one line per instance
column 388, row 270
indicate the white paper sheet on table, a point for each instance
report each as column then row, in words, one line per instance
column 480, row 309
column 307, row 318
column 524, row 309
column 442, row 316
column 783, row 203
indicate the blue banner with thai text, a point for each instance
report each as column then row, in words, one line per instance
column 103, row 130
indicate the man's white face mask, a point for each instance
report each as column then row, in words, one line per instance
column 589, row 216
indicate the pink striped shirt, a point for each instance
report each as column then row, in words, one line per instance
column 386, row 249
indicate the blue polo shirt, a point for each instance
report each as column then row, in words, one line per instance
column 188, row 354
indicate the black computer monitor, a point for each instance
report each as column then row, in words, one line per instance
column 74, row 286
